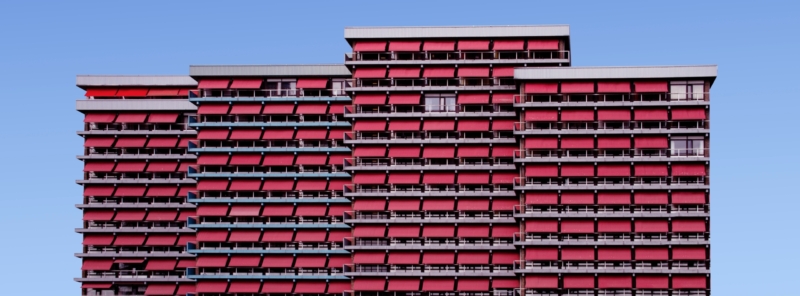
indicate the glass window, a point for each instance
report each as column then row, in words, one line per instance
column 687, row 146
column 440, row 102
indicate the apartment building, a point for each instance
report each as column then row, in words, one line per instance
column 435, row 160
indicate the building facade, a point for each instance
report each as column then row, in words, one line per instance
column 435, row 160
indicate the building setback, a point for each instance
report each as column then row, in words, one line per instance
column 437, row 160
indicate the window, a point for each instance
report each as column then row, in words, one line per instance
column 440, row 103
column 281, row 87
column 687, row 146
column 687, row 90
column 339, row 86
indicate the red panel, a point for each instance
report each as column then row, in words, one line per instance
column 541, row 115
column 278, row 134
column 278, row 185
column 541, row 198
column 606, row 226
column 213, row 83
column 338, row 261
column 504, row 257
column 311, row 159
column 433, row 178
column 370, row 125
column 541, row 281
column 614, row 282
column 577, row 254
column 246, row 159
column 614, row 254
column 245, row 210
column 504, row 231
column 318, row 83
column 439, row 72
column 102, row 240
column 310, row 287
column 473, row 231
column 162, row 166
column 317, row 210
column 212, row 134
column 277, row 236
column 473, row 204
column 438, row 125
column 405, row 99
column 613, row 142
column 651, row 142
column 338, row 159
column 541, row 143
column 103, row 142
column 509, row 45
column 159, row 289
column 404, row 125
column 131, row 117
column 439, row 152
column 650, row 198
column 400, row 257
column 473, row 125
column 212, row 184
column 310, row 261
column 439, row 45
column 312, row 134
column 337, row 210
column 689, row 253
column 369, row 231
column 278, row 159
column 164, row 92
column 244, row 287
column 438, row 257
column 246, row 109
column 689, row 169
column 651, row 226
column 473, row 72
column 369, row 178
column 577, row 170
column 541, row 87
column 503, row 98
column 503, row 124
column 129, row 215
column 130, row 142
column 369, row 257
column 577, row 115
column 650, row 170
column 438, row 204
column 186, row 263
column 577, row 198
column 311, row 184
column 577, row 226
column 277, row 287
column 473, row 178
column 404, row 204
column 541, row 226
column 504, row 178
column 98, row 215
column 337, row 108
column 130, row 166
column 100, row 117
column 541, row 254
column 404, row 45
column 404, row 72
column 473, row 151
column 162, row 240
column 650, row 86
column 246, row 83
column 613, row 114
column 577, row 87
column 404, row 151
column 370, row 99
column 162, row 118
column 99, row 166
column 213, row 109
column 438, row 284
column 473, row 45
column 369, row 73
column 130, row 191
column 501, row 71
column 278, row 108
column 687, row 197
column 689, row 282
column 403, row 284
column 613, row 170
column 368, row 284
column 652, row 282
column 469, row 284
column 369, row 46
column 437, row 230
column 129, row 240
column 212, row 286
column 245, row 261
column 132, row 92
column 244, row 235
column 183, row 289
column 688, row 226
column 277, row 261
column 613, row 198
column 541, row 170
column 369, row 204
column 107, row 92
column 543, row 45
column 245, row 134
column 645, row 254
column 402, row 230
column 312, row 108
column 98, row 190
column 503, row 151
column 613, row 87
column 688, row 114
column 97, row 264
column 578, row 282
column 650, row 114
column 369, row 151
column 212, row 235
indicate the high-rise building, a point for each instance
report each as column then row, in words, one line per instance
column 436, row 160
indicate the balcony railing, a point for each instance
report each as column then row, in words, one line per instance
column 594, row 237
column 610, row 153
column 429, row 82
column 596, row 98
column 611, row 125
column 265, row 93
column 457, row 55
column 607, row 181
column 434, row 109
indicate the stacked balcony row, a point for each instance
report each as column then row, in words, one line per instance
column 271, row 87
column 463, row 285
column 435, row 178
column 616, row 170
column 552, row 284
column 686, row 259
column 136, row 190
column 439, row 103
column 371, row 204
column 402, row 230
column 614, row 146
column 137, row 142
column 679, row 90
column 454, row 50
column 434, row 151
column 287, row 108
column 134, row 240
column 154, row 166
column 272, row 235
column 278, row 184
column 216, row 287
column 272, row 159
column 136, row 93
column 406, row 125
column 271, row 134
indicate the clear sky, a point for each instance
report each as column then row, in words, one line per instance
column 44, row 44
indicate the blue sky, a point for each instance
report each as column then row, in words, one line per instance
column 46, row 43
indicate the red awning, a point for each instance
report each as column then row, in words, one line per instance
column 131, row 117
column 369, row 178
column 473, row 151
column 504, row 231
column 473, row 72
column 164, row 92
column 438, row 257
column 473, row 204
column 278, row 108
column 539, row 44
column 311, row 185
column 317, row 210
column 278, row 159
column 213, row 84
column 311, row 134
column 244, row 287
column 316, row 83
column 541, row 115
column 541, row 170
column 466, row 178
column 310, row 261
column 613, row 170
column 129, row 215
column 161, row 240
column 370, row 151
column 438, row 204
column 439, row 152
column 101, row 92
column 577, row 170
column 246, row 83
column 651, row 142
column 404, row 125
column 97, row 264
column 501, row 71
column 363, row 230
column 162, row 166
column 161, row 264
column 100, row 239
column 162, row 142
column 404, row 178
column 472, row 257
column 650, row 114
column 129, row 240
column 577, row 198
column 212, row 184
column 687, row 225
column 503, row 98
column 98, row 166
column 438, row 230
column 245, row 184
column 577, row 254
column 369, row 257
column 613, row 225
column 337, row 134
column 100, row 117
column 577, row 87
column 312, row 108
column 370, row 125
column 650, row 198
column 651, row 226
column 689, row 253
column 541, row 226
column 404, row 151
column 577, row 115
column 647, row 254
column 613, row 87
column 473, row 45
column 439, row 45
column 605, row 281
column 403, row 284
column 541, row 143
column 613, row 114
column 278, row 236
column 212, row 134
column 98, row 215
column 650, row 170
column 404, row 72
column 336, row 210
column 213, row 109
column 439, row 72
column 541, row 87
column 651, row 86
column 438, row 125
column 369, row 46
column 245, row 109
column 403, row 231
column 473, row 125
column 504, row 257
column 310, row 287
column 369, row 73
column 130, row 191
column 578, row 282
column 404, row 99
column 311, row 159
column 504, row 178
column 503, row 124
column 687, row 197
column 163, row 118
column 541, row 254
column 130, row 142
column 368, row 284
column 212, row 209
column 644, row 282
column 541, row 198
column 369, row 99
column 404, row 204
column 509, row 45
column 541, row 281
column 577, row 226
column 613, row 198
column 688, row 170
column 473, row 231
column 98, row 190
column 434, row 284
column 245, row 235
column 689, row 282
column 688, row 114
column 246, row 159
column 160, row 289
column 469, row 284
column 132, row 92
column 404, row 45
column 369, row 204
column 613, row 142
column 433, row 178
column 277, row 287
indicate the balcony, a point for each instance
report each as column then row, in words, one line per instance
column 429, row 137
column 415, row 111
column 351, row 217
column 257, row 95
column 599, row 211
column 134, row 275
column 426, row 270
column 353, row 243
column 457, row 57
column 419, row 190
column 597, row 239
column 610, row 155
column 631, row 99
column 612, row 128
column 426, row 164
column 331, row 196
column 618, row 183
column 386, row 84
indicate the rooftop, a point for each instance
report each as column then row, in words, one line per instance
column 269, row 70
column 456, row 31
column 134, row 80
column 625, row 72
